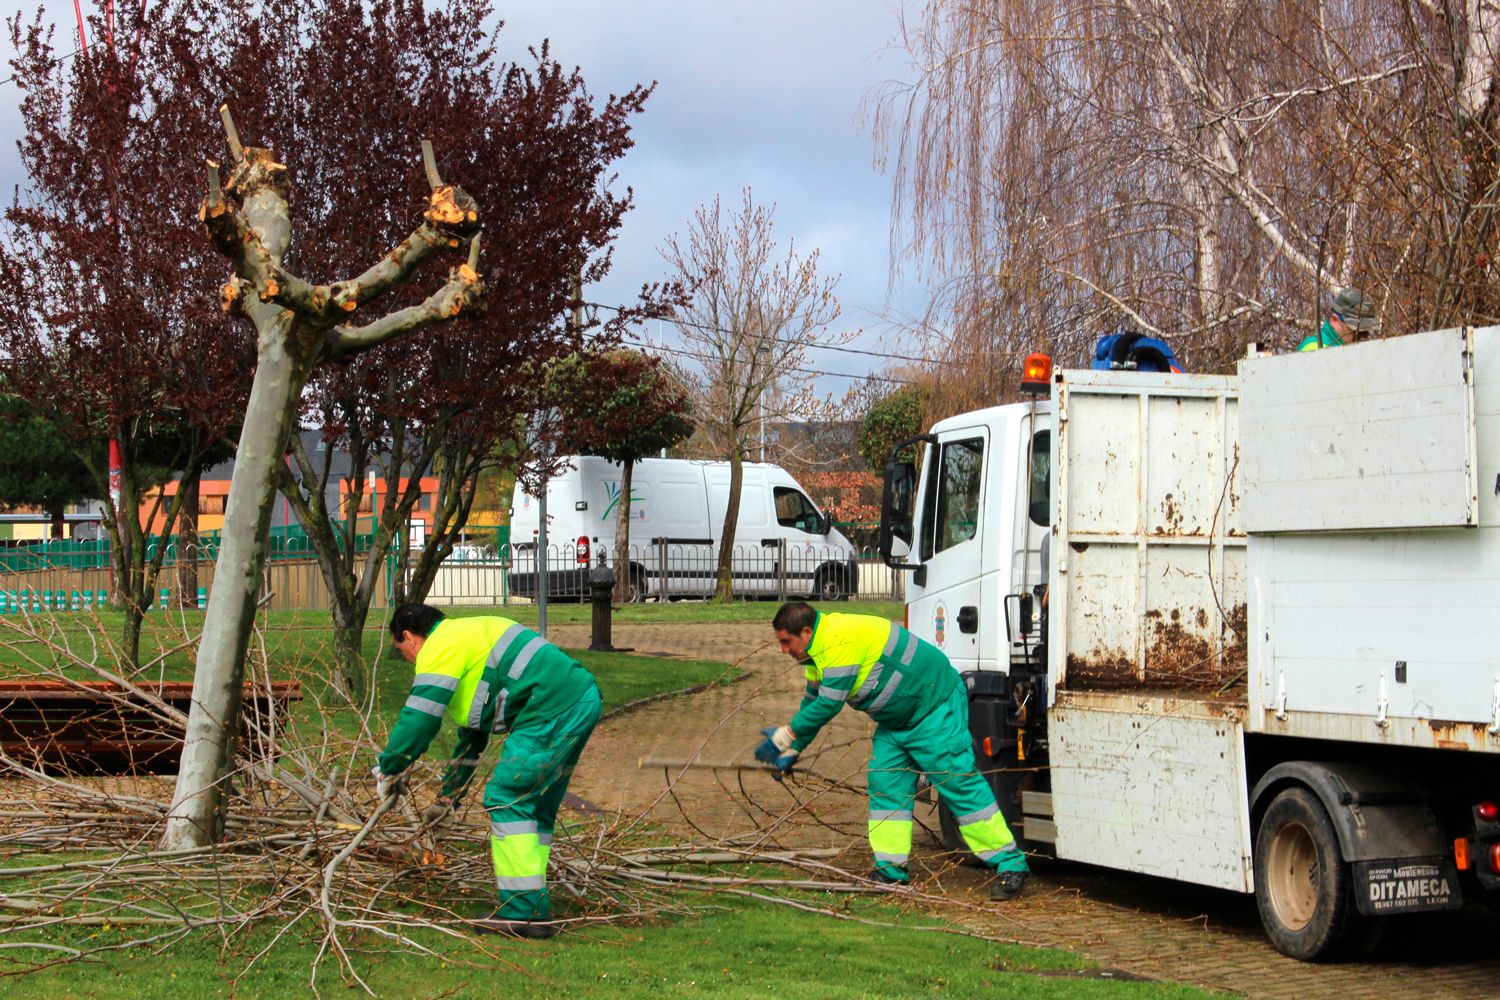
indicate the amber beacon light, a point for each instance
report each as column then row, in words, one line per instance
column 1036, row 373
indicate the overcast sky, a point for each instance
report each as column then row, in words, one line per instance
column 767, row 95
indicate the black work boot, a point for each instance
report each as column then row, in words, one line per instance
column 884, row 877
column 535, row 930
column 1008, row 885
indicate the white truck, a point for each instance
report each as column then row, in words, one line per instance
column 1266, row 661
column 783, row 544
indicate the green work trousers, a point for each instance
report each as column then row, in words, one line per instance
column 938, row 746
column 522, row 798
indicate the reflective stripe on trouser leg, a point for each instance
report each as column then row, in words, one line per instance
column 527, row 786
column 943, row 749
column 520, row 869
column 893, row 789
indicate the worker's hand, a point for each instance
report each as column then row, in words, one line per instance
column 386, row 785
column 783, row 764
column 778, row 740
column 439, row 814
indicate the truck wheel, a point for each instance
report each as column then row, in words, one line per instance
column 1303, row 887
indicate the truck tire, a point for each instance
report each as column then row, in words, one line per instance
column 1303, row 887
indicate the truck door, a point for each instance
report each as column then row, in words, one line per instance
column 950, row 546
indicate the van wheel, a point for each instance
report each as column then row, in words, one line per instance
column 829, row 586
column 635, row 590
column 1303, row 887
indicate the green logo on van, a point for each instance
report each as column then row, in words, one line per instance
column 612, row 491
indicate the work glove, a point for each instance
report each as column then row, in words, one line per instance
column 386, row 785
column 778, row 740
column 783, row 764
column 439, row 814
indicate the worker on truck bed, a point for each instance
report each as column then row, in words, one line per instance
column 921, row 711
column 1351, row 317
column 491, row 675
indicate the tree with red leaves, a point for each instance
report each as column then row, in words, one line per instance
column 107, row 289
column 531, row 145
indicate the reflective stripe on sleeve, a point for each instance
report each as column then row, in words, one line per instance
column 832, row 694
column 891, row 640
column 502, row 645
column 499, row 726
column 426, row 706
column 525, row 655
column 444, row 681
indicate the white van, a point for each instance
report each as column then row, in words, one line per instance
column 783, row 545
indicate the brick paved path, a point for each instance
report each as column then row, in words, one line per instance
column 1143, row 926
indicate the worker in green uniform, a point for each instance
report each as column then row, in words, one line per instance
column 1351, row 317
column 490, row 675
column 921, row 712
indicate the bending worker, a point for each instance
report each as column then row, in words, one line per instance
column 491, row 675
column 921, row 713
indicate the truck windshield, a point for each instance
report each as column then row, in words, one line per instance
column 1039, row 498
column 956, row 511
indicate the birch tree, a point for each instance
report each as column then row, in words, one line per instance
column 755, row 313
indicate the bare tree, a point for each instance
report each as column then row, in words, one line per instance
column 1203, row 169
column 754, row 315
column 299, row 326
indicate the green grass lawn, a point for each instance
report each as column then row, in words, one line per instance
column 725, row 948
column 718, row 946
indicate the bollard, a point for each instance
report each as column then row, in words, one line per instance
column 601, row 589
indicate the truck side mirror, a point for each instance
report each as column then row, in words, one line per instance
column 896, row 509
column 825, row 523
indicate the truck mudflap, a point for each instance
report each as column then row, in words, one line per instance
column 1406, row 885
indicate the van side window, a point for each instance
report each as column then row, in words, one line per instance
column 1039, row 497
column 793, row 510
column 956, row 511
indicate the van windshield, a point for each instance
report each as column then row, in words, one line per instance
column 793, row 510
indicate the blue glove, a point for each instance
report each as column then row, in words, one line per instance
column 766, row 751
column 783, row 764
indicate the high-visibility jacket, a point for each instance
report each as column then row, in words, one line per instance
column 488, row 675
column 873, row 665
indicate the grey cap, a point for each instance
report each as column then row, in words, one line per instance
column 1356, row 309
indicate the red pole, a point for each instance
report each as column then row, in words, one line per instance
column 83, row 42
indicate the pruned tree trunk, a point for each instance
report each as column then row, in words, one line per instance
column 298, row 326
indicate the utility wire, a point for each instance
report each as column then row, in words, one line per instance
column 817, row 347
column 701, row 357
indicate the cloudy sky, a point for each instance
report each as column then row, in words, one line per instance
column 771, row 95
